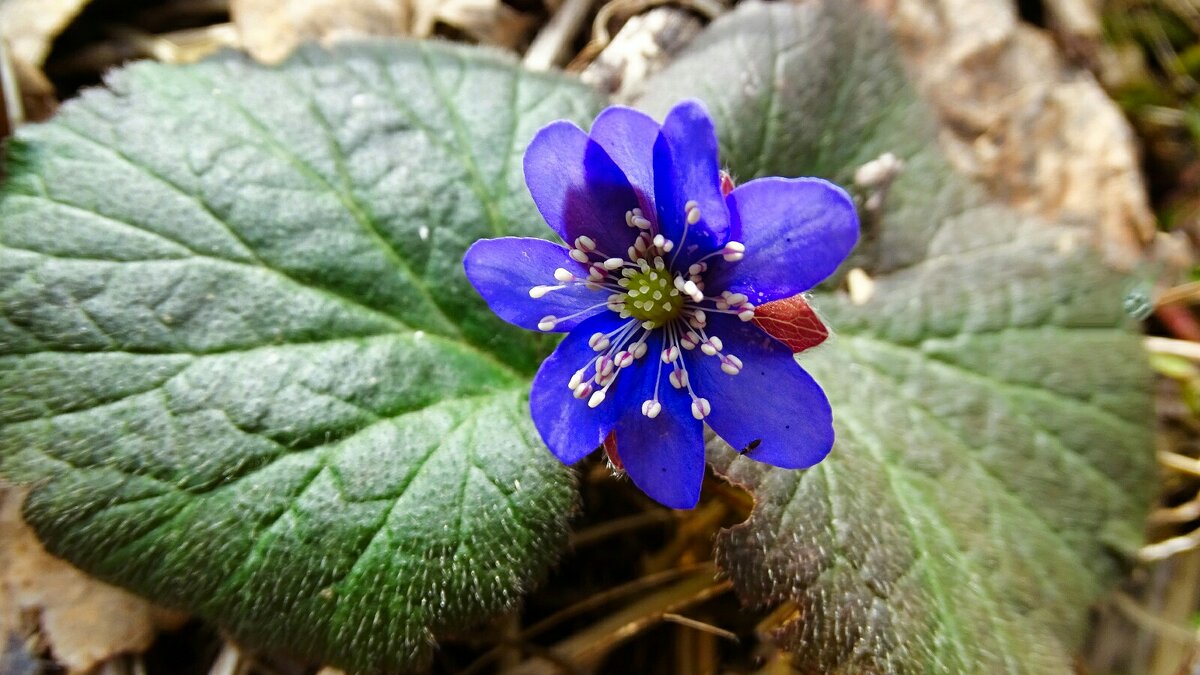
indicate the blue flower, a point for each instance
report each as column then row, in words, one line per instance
column 657, row 289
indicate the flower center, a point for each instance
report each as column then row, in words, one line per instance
column 652, row 296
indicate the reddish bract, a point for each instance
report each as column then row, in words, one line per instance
column 726, row 183
column 793, row 322
column 610, row 449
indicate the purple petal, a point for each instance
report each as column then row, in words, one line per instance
column 628, row 136
column 503, row 270
column 663, row 456
column 686, row 169
column 796, row 232
column 567, row 425
column 578, row 188
column 772, row 409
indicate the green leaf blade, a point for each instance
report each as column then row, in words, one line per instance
column 242, row 365
column 994, row 454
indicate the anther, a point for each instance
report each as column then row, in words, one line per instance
column 733, row 251
column 699, row 317
column 585, row 243
column 651, row 408
column 563, row 275
column 539, row 291
column 582, row 391
column 700, row 408
column 678, row 378
column 578, row 255
column 623, row 359
column 641, row 223
column 659, row 240
column 598, row 342
column 670, row 354
column 613, row 264
column 548, row 322
column 575, row 379
column 731, row 365
column 692, row 290
column 746, row 312
column 689, row 340
column 697, row 269
column 693, row 215
column 648, row 324
column 598, row 398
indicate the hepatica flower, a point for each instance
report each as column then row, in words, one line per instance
column 657, row 290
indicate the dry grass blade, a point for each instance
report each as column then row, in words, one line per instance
column 587, row 647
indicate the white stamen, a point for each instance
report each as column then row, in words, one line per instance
column 693, row 214
column 596, row 274
column 700, row 317
column 623, row 359
column 641, row 223
column 597, row 398
column 731, row 365
column 698, row 268
column 659, row 240
column 736, row 298
column 604, row 368
column 691, row 289
column 700, row 408
column 598, row 342
column 651, row 409
column 587, row 244
column 747, row 312
column 578, row 256
column 538, row 291
column 613, row 264
column 689, row 340
column 548, row 322
column 582, row 391
column 678, row 378
column 670, row 354
column 733, row 251
column 563, row 275
column 576, row 379
column 639, row 350
column 667, row 246
column 648, row 325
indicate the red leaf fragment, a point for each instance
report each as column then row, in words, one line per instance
column 610, row 449
column 793, row 322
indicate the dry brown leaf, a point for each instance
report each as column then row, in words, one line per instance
column 271, row 29
column 83, row 620
column 30, row 26
column 1039, row 132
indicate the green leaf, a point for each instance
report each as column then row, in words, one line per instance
column 994, row 457
column 242, row 365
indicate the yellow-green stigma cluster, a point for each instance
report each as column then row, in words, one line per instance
column 651, row 295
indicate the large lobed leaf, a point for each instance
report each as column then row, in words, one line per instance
column 994, row 455
column 240, row 360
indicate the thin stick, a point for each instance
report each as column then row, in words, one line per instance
column 1178, row 462
column 550, row 45
column 700, row 626
column 1161, row 345
column 1170, row 547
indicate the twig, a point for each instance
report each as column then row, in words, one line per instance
column 550, row 45
column 14, row 111
column 1178, row 462
column 585, row 605
column 1161, row 345
column 1148, row 620
column 700, row 626
column 614, row 527
column 229, row 661
column 1170, row 547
